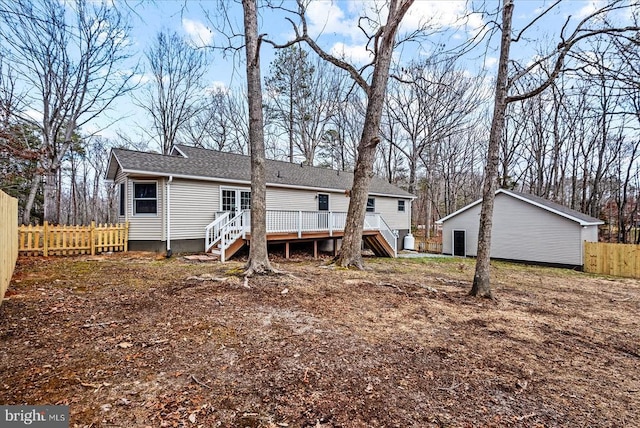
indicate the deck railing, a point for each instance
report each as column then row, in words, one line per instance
column 285, row 221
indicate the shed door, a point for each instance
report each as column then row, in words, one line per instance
column 459, row 243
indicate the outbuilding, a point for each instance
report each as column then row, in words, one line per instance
column 526, row 228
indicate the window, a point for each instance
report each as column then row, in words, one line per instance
column 123, row 199
column 245, row 200
column 371, row 205
column 230, row 198
column 401, row 206
column 145, row 198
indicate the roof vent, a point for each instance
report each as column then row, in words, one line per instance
column 279, row 174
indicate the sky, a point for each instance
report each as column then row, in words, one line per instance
column 334, row 25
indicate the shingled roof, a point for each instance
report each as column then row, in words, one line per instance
column 210, row 165
column 577, row 216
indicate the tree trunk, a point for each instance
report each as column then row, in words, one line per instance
column 481, row 283
column 31, row 199
column 350, row 253
column 50, row 196
column 258, row 257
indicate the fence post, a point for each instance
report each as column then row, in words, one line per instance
column 92, row 236
column 126, row 236
column 45, row 239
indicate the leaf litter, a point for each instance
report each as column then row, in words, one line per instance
column 131, row 340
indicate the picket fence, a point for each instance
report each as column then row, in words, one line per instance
column 8, row 244
column 427, row 245
column 60, row 240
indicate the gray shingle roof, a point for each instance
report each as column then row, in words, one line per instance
column 577, row 216
column 208, row 164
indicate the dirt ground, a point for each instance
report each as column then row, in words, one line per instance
column 132, row 340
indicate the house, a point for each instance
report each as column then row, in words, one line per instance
column 196, row 199
column 525, row 228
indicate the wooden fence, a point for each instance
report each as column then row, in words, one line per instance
column 612, row 259
column 48, row 240
column 427, row 245
column 8, row 243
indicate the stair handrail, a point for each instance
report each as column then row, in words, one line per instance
column 389, row 235
column 231, row 231
column 212, row 231
column 381, row 225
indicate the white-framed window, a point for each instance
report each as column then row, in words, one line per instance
column 371, row 205
column 123, row 200
column 235, row 200
column 401, row 206
column 145, row 198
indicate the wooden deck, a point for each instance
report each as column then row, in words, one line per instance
column 226, row 235
column 372, row 238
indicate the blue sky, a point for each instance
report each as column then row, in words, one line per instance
column 334, row 24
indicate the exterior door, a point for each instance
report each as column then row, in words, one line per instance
column 235, row 200
column 459, row 243
column 323, row 208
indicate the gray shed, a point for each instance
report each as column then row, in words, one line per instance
column 526, row 228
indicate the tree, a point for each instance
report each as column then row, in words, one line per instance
column 176, row 90
column 382, row 42
column 289, row 88
column 594, row 24
column 222, row 124
column 258, row 261
column 68, row 62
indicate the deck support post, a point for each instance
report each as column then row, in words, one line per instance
column 315, row 249
column 286, row 250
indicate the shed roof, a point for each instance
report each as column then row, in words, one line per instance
column 211, row 165
column 561, row 210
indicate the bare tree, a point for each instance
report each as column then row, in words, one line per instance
column 222, row 124
column 176, row 91
column 68, row 61
column 258, row 261
column 382, row 42
column 592, row 25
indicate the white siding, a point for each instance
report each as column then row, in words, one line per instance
column 303, row 200
column 388, row 207
column 468, row 221
column 193, row 204
column 521, row 231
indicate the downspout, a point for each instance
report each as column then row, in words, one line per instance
column 169, row 252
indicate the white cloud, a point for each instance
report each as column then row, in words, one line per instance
column 589, row 8
column 355, row 53
column 35, row 115
column 326, row 17
column 199, row 34
column 490, row 62
column 217, row 86
column 442, row 14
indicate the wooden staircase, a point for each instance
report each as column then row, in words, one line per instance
column 378, row 245
column 236, row 246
